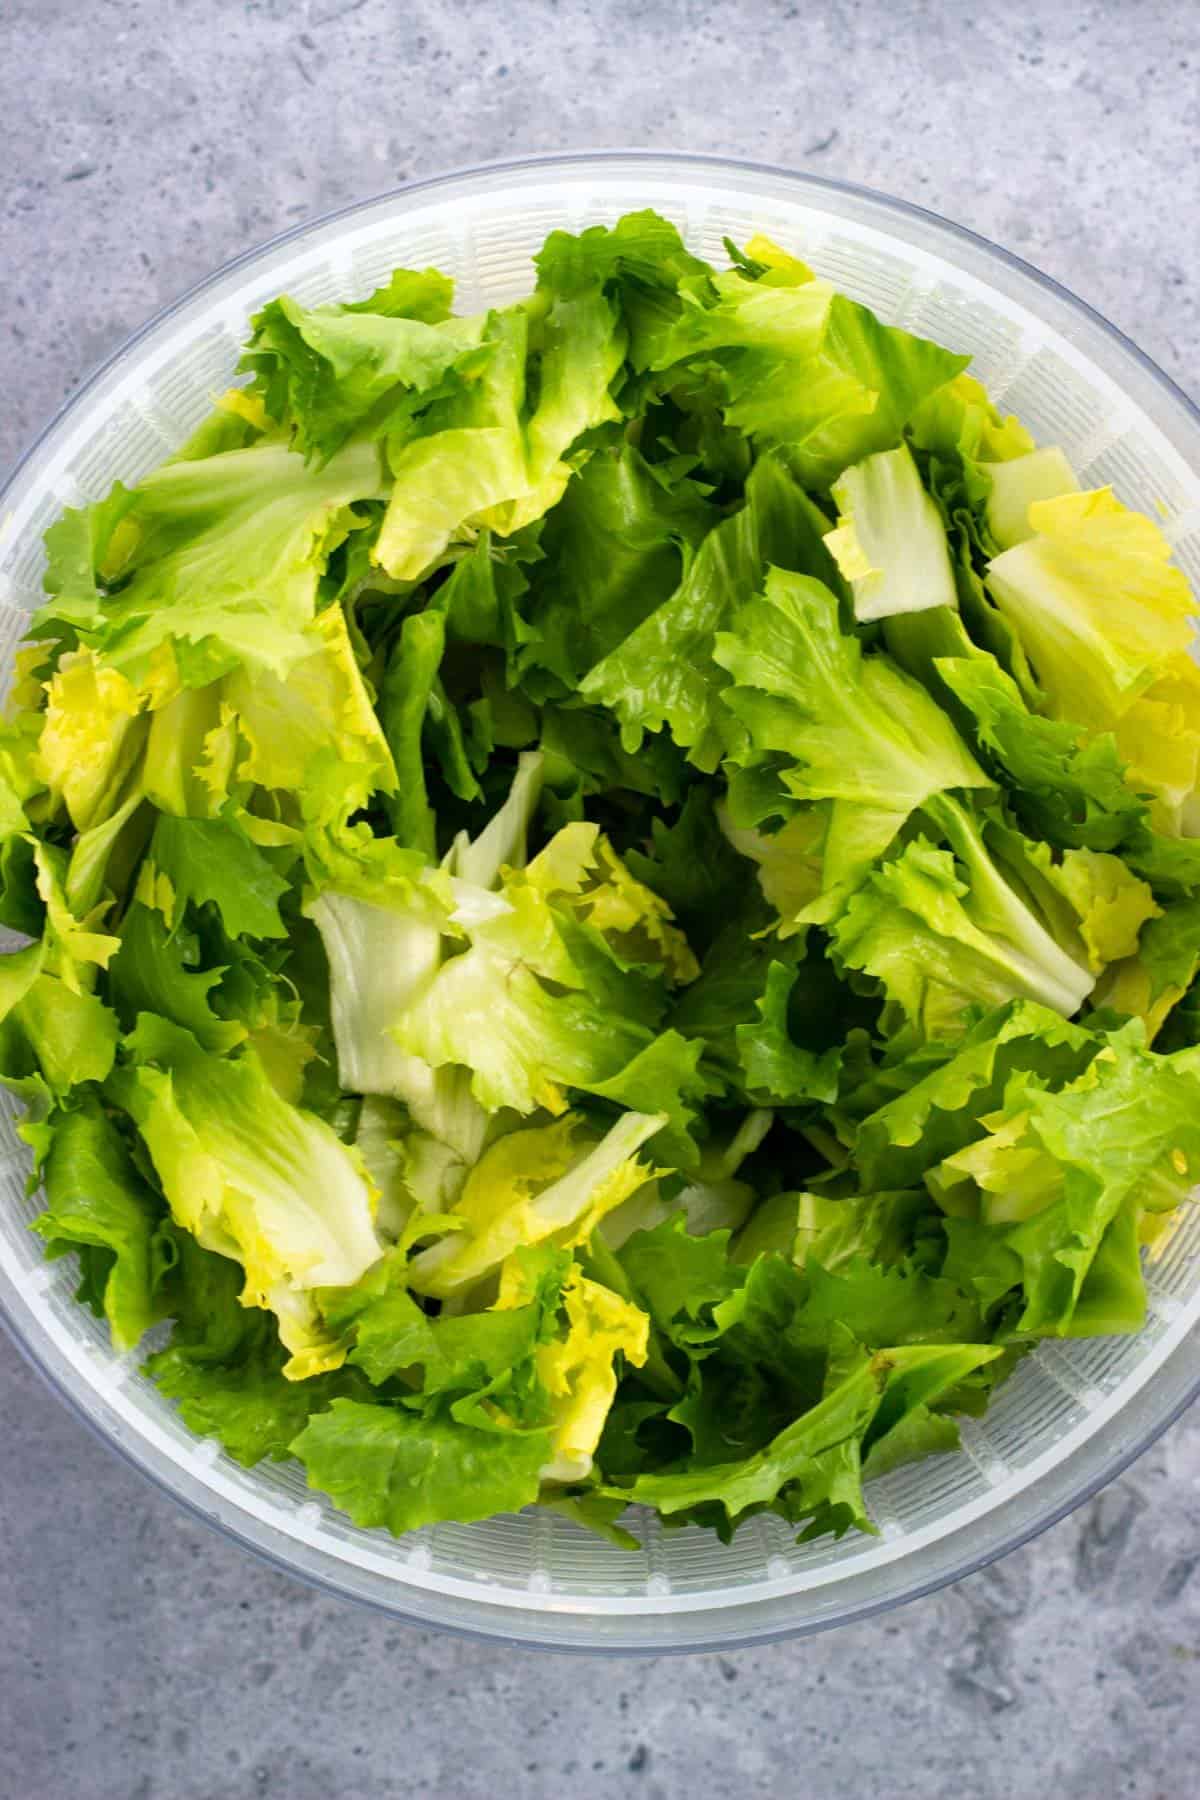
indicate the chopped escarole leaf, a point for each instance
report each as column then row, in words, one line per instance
column 665, row 672
column 252, row 1178
column 804, row 367
column 846, row 730
column 890, row 543
column 550, row 1183
column 1099, row 607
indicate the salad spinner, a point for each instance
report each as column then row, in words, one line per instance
column 1074, row 1414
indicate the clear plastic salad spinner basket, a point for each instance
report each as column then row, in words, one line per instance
column 1074, row 1413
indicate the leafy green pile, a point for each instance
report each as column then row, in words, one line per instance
column 611, row 897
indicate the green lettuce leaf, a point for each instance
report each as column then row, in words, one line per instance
column 890, row 543
column 404, row 702
column 1096, row 603
column 855, row 730
column 157, row 970
column 641, row 261
column 942, row 1112
column 712, row 1198
column 219, row 559
column 1069, row 788
column 665, row 1077
column 543, row 1184
column 1148, row 985
column 1056, row 1169
column 615, row 548
column 679, row 1277
column 692, row 865
column 472, row 458
column 52, row 1026
column 811, row 1471
column 252, row 1178
column 940, row 944
column 664, row 672
column 214, row 860
column 484, row 593
column 331, row 371
column 385, row 1466
column 224, row 1365
column 878, row 1229
column 95, row 1197
column 777, row 1071
column 1019, row 483
column 804, row 367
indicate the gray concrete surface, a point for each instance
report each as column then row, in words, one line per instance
column 141, row 1657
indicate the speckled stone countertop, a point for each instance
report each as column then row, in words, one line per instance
column 146, row 141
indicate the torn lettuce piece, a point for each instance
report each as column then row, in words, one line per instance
column 964, row 443
column 1100, row 609
column 713, row 1198
column 790, row 862
column 463, row 460
column 319, row 713
column 379, row 1138
column 510, row 1398
column 383, row 954
column 561, row 980
column 201, row 861
column 386, row 1466
column 852, row 727
column 158, row 970
column 523, row 1041
column 1149, row 984
column 1159, row 739
column 219, row 559
column 51, row 1031
column 404, row 700
column 1020, row 483
column 1071, row 788
column 940, row 944
column 803, row 367
column 615, row 548
column 387, row 921
column 252, row 1178
column 55, row 1029
column 890, row 543
column 1091, row 903
column 579, row 340
column 959, row 439
column 1035, row 1198
column 664, row 672
column 579, row 1368
column 543, row 1184
column 777, row 1070
column 940, row 1112
column 667, row 1076
column 857, row 728
column 877, row 1229
column 694, row 866
column 224, row 1366
column 811, row 1471
column 93, row 732
column 97, row 1201
column 578, row 870
column 641, row 259
column 473, row 458
column 503, row 842
column 329, row 372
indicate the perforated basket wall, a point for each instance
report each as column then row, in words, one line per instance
column 1073, row 1412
